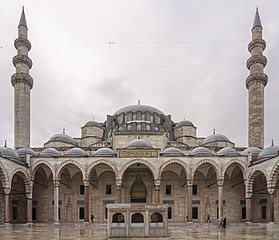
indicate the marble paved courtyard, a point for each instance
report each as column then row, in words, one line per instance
column 179, row 231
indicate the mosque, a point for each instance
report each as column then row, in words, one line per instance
column 138, row 155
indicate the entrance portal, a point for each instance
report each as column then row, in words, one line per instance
column 138, row 191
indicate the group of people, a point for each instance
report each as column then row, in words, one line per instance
column 222, row 223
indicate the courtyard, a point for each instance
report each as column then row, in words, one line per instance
column 176, row 231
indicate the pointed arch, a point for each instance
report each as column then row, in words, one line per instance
column 3, row 175
column 21, row 172
column 39, row 164
column 69, row 162
column 175, row 161
column 135, row 161
column 251, row 177
column 243, row 167
column 214, row 164
column 101, row 161
column 274, row 174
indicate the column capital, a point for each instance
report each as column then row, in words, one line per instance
column 220, row 182
column 157, row 182
column 29, row 195
column 86, row 183
column 56, row 183
column 271, row 190
column 190, row 183
column 118, row 181
column 7, row 190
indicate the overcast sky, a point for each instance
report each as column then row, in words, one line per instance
column 185, row 57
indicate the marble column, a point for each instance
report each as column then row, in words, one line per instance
column 190, row 199
column 157, row 193
column 7, row 206
column 118, row 193
column 271, row 207
column 86, row 201
column 29, row 207
column 56, row 201
column 220, row 198
column 248, row 209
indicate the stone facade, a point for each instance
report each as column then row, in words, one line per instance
column 139, row 155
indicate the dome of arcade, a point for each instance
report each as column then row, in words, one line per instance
column 200, row 151
column 228, row 151
column 50, row 152
column 138, row 108
column 22, row 152
column 172, row 151
column 215, row 138
column 269, row 152
column 105, row 152
column 251, row 150
column 75, row 152
column 8, row 153
column 185, row 123
column 63, row 138
column 139, row 143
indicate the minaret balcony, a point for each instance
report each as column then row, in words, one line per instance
column 22, row 59
column 22, row 42
column 257, row 43
column 22, row 78
column 256, row 77
column 256, row 59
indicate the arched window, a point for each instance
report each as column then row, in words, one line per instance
column 156, row 217
column 118, row 218
column 137, row 218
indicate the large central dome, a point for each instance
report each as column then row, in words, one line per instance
column 138, row 108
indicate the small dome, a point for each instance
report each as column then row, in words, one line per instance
column 139, row 143
column 50, row 152
column 93, row 123
column 138, row 108
column 8, row 153
column 172, row 151
column 251, row 150
column 215, row 138
column 105, row 152
column 228, row 151
column 63, row 138
column 184, row 123
column 200, row 151
column 269, row 152
column 22, row 152
column 75, row 152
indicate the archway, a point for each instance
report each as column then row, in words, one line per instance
column 174, row 191
column 138, row 183
column 42, row 204
column 234, row 193
column 2, row 196
column 102, row 190
column 205, row 193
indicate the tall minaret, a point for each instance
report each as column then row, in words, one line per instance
column 255, row 84
column 22, row 83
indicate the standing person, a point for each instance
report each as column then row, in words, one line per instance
column 208, row 219
column 225, row 222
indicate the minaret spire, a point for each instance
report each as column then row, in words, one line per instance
column 22, row 83
column 255, row 84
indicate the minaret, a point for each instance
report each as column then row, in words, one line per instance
column 22, row 83
column 255, row 84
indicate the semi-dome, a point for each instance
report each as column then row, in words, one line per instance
column 22, row 152
column 50, row 152
column 186, row 123
column 63, row 138
column 228, row 151
column 200, row 151
column 75, row 152
column 139, row 143
column 215, row 138
column 172, row 151
column 251, row 150
column 138, row 108
column 105, row 152
column 269, row 152
column 8, row 153
column 93, row 123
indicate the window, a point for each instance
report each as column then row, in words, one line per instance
column 137, row 218
column 195, row 213
column 108, row 189
column 34, row 214
column 106, row 213
column 81, row 213
column 195, row 190
column 168, row 189
column 118, row 218
column 243, row 213
column 263, row 212
column 81, row 189
column 169, row 213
